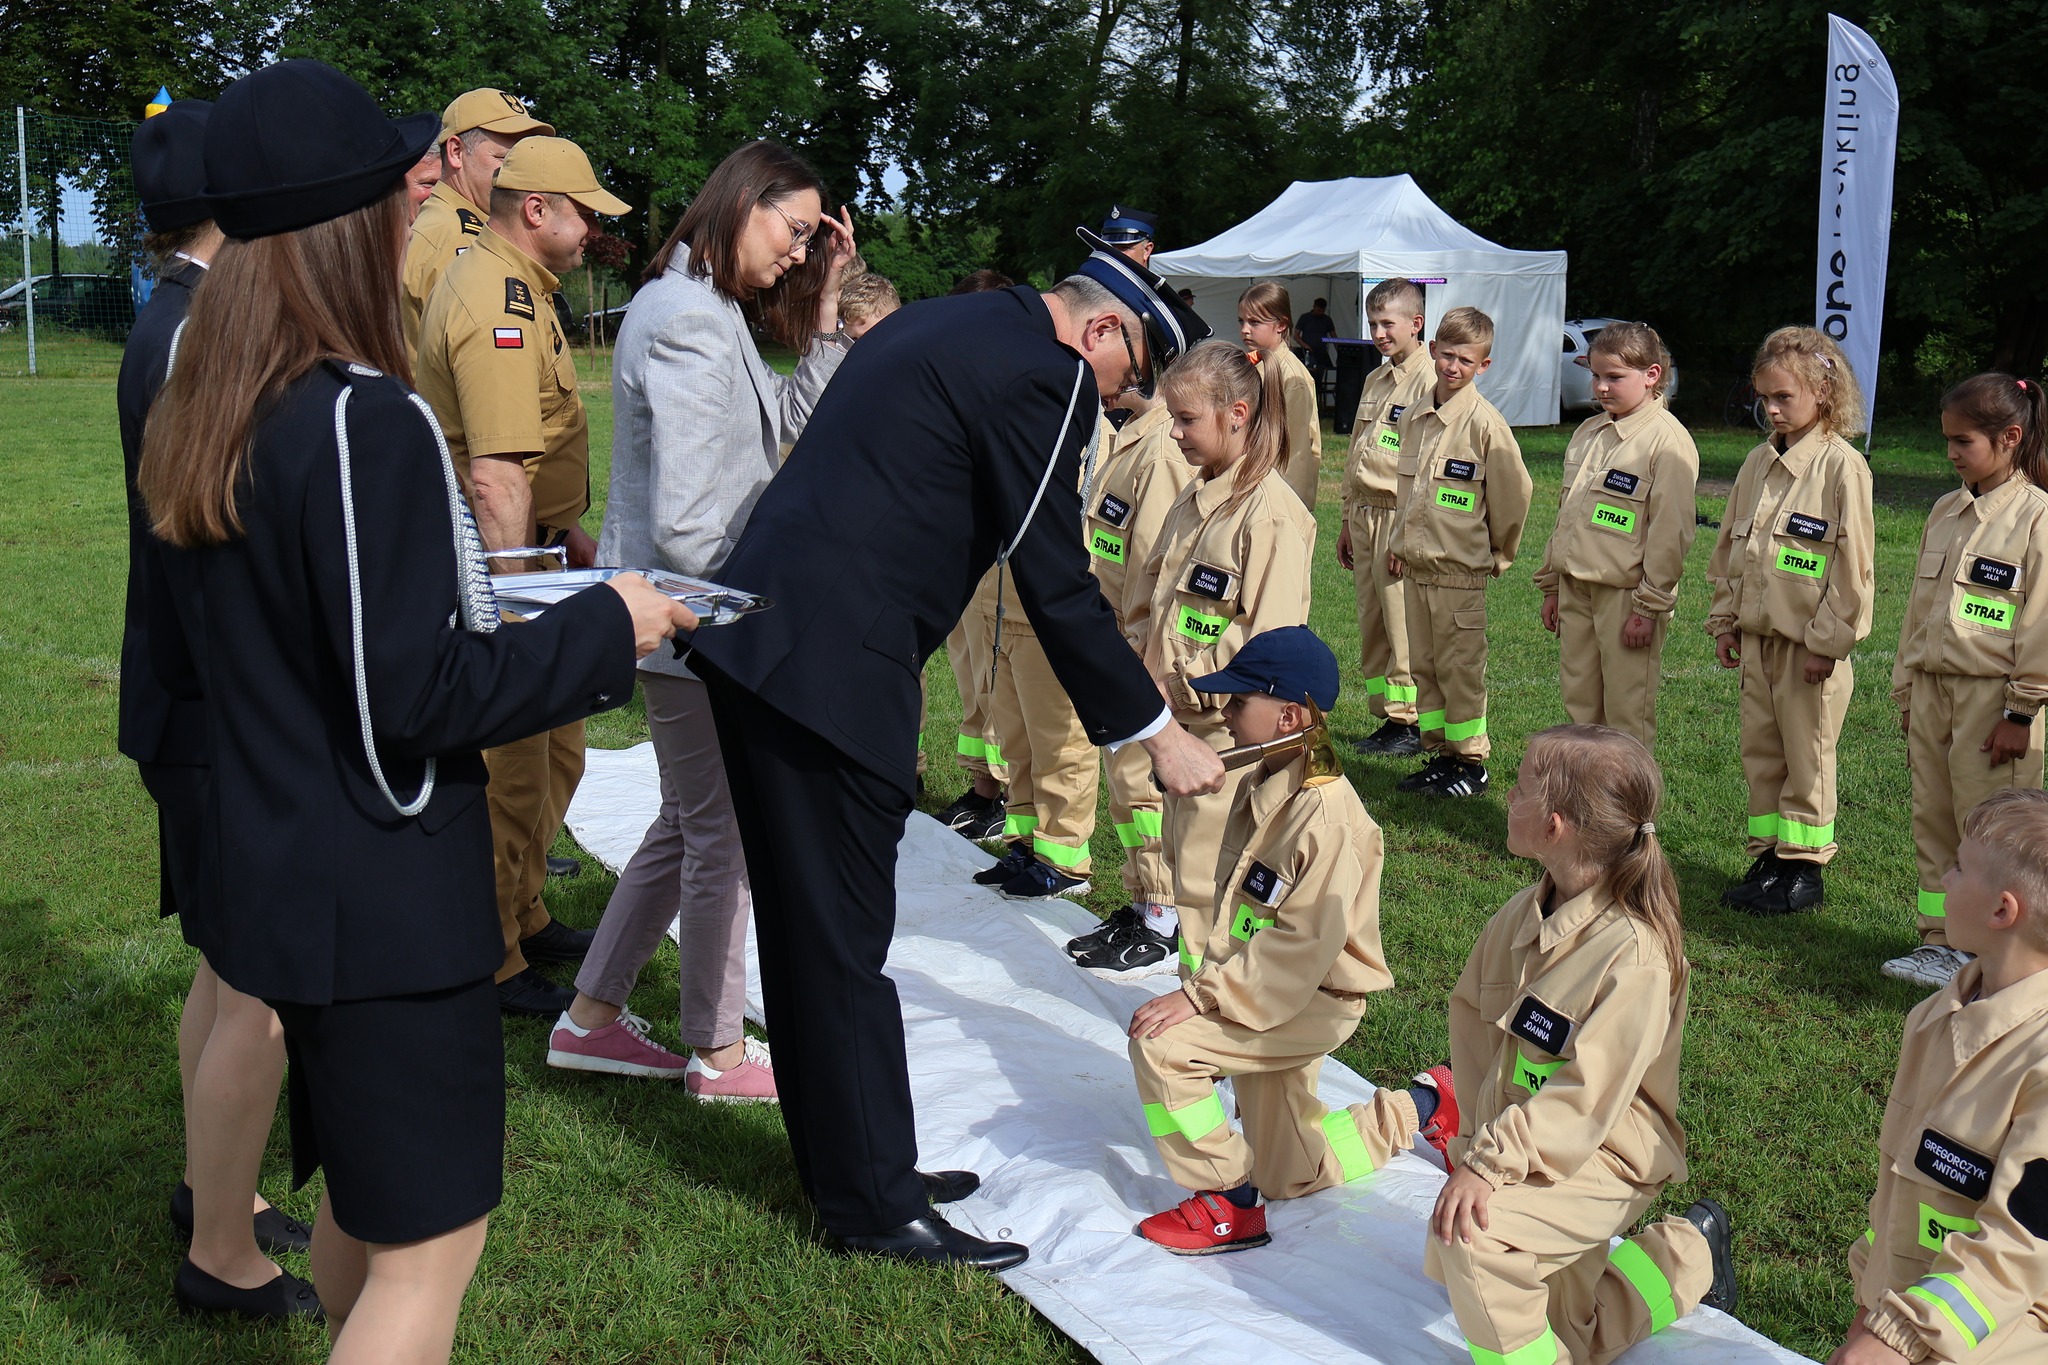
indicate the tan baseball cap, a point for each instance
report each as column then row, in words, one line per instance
column 494, row 111
column 555, row 165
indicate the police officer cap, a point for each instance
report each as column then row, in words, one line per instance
column 168, row 153
column 494, row 111
column 1126, row 225
column 1170, row 325
column 1290, row 663
column 555, row 165
column 298, row 143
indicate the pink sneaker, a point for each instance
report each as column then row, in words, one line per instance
column 751, row 1082
column 621, row 1048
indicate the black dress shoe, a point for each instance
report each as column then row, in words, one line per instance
column 932, row 1238
column 1797, row 887
column 1712, row 1221
column 275, row 1230
column 530, row 993
column 557, row 942
column 945, row 1187
column 563, row 867
column 287, row 1296
column 1763, row 874
column 1395, row 739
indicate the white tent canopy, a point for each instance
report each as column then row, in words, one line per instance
column 1335, row 239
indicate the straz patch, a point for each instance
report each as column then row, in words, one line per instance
column 1994, row 573
column 1531, row 1075
column 1537, row 1023
column 1608, row 517
column 1216, row 584
column 518, row 297
column 508, row 338
column 1936, row 1225
column 1805, row 527
column 1460, row 469
column 1263, row 885
column 1953, row 1166
column 1805, row 563
column 1988, row 612
column 1114, row 510
column 1199, row 627
column 1390, row 439
column 1246, row 923
column 1622, row 482
column 1457, row 499
column 470, row 221
column 1105, row 545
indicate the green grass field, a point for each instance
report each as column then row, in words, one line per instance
column 638, row 1226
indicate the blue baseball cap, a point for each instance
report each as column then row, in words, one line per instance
column 1290, row 663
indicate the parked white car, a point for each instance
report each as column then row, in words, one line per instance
column 1575, row 372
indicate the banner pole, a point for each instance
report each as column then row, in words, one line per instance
column 28, row 274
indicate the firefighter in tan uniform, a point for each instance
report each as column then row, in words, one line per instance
column 1372, row 476
column 1954, row 1266
column 979, row 812
column 1462, row 501
column 477, row 130
column 1791, row 572
column 1625, row 521
column 498, row 372
column 1972, row 668
column 1265, row 321
column 1566, row 1028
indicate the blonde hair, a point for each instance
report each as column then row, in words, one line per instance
column 1400, row 294
column 1465, row 327
column 1217, row 374
column 1636, row 345
column 1605, row 785
column 865, row 296
column 1267, row 302
column 2013, row 827
column 1811, row 357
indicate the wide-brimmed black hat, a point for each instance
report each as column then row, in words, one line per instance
column 1170, row 325
column 168, row 154
column 299, row 143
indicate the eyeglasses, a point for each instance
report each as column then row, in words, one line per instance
column 1137, row 384
column 800, row 232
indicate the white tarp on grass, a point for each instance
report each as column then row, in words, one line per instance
column 1018, row 1065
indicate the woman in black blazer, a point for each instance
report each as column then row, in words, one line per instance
column 328, row 601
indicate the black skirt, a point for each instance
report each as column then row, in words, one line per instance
column 401, row 1102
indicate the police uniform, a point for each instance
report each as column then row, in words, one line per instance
column 1791, row 571
column 1142, row 473
column 1217, row 578
column 1625, row 519
column 1304, row 465
column 969, row 647
column 1973, row 646
column 1371, row 480
column 1565, row 1039
column 1954, row 1266
column 1286, row 956
column 1462, row 500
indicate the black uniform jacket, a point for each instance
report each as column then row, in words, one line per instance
column 154, row 726
column 323, row 891
column 917, row 466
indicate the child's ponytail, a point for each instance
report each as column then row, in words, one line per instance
column 1265, row 437
column 1995, row 401
column 1217, row 374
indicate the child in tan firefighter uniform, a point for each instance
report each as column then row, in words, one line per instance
column 1954, row 1266
column 1372, row 476
column 1791, row 572
column 1231, row 561
column 1625, row 519
column 1565, row 1034
column 1972, row 667
column 1140, row 475
column 1265, row 320
column 1275, row 978
column 1462, row 501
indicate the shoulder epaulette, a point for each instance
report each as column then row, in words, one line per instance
column 518, row 298
column 472, row 222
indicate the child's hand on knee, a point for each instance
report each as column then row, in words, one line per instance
column 1155, row 1017
column 1461, row 1206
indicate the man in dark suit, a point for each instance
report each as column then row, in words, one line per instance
column 951, row 436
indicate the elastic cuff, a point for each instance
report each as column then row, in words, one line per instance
column 1493, row 1178
column 1896, row 1333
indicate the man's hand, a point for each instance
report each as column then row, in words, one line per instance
column 1344, row 545
column 581, row 549
column 2007, row 741
column 656, row 615
column 1182, row 764
column 1861, row 1348
column 1155, row 1017
column 1637, row 631
column 1461, row 1206
column 1548, row 614
column 1395, row 568
column 1819, row 668
column 1728, row 649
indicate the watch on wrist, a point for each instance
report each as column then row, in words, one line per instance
column 2018, row 717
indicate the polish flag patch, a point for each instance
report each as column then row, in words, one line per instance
column 508, row 338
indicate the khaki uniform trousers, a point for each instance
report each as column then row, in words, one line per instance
column 1539, row 1284
column 531, row 781
column 1951, row 715
column 967, row 648
column 1193, row 836
column 1382, row 616
column 1291, row 1145
column 1447, row 650
column 1052, row 763
column 1137, row 809
column 1789, row 732
column 1604, row 681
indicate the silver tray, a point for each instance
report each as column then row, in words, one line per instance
column 530, row 594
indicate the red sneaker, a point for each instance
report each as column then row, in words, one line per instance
column 1443, row 1124
column 1205, row 1225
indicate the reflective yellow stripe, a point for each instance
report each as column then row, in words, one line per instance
column 1395, row 692
column 1128, row 836
column 1792, row 832
column 1542, row 1351
column 1958, row 1305
column 1430, row 720
column 1150, row 823
column 1158, row 1122
column 1059, row 855
column 1464, row 729
column 1347, row 1145
column 971, row 746
column 1189, row 958
column 1376, row 687
column 1934, row 904
column 1192, row 1121
column 1019, row 826
column 1936, row 1225
column 1763, row 826
column 1649, row 1280
column 1531, row 1076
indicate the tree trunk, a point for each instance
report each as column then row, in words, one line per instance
column 1649, row 104
column 1185, row 57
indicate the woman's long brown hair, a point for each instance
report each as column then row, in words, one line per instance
column 759, row 173
column 271, row 310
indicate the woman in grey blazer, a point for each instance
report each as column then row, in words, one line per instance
column 699, row 425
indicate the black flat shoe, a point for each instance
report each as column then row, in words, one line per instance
column 287, row 1296
column 557, row 942
column 945, row 1187
column 1712, row 1220
column 932, row 1238
column 275, row 1230
column 533, row 995
column 563, row 867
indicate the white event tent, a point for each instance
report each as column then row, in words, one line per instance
column 1335, row 239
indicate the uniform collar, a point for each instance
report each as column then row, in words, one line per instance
column 1141, row 426
column 1801, row 456
column 1276, row 789
column 450, row 198
column 1413, row 365
column 1986, row 505
column 1456, row 406
column 535, row 274
column 1977, row 1025
column 1566, row 920
column 1627, row 427
column 1210, row 494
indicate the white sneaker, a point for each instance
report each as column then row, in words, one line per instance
column 1929, row 965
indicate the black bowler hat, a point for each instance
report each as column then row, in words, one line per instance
column 170, row 167
column 298, row 143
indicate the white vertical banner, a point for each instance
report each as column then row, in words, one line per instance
column 1859, row 144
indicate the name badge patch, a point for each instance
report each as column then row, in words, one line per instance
column 1264, row 885
column 1114, row 510
column 1105, row 545
column 1456, row 499
column 1805, row 563
column 1994, row 573
column 1805, row 527
column 1460, row 469
column 1394, row 411
column 1205, row 580
column 1622, row 482
column 1608, row 517
column 1953, row 1166
column 518, row 297
column 507, row 338
column 1537, row 1023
